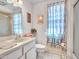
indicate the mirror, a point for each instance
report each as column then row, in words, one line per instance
column 7, row 21
column 5, row 25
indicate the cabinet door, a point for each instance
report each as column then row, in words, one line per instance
column 23, row 57
column 31, row 54
column 28, row 46
column 14, row 55
column 5, row 57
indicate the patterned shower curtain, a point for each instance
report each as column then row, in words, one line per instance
column 56, row 21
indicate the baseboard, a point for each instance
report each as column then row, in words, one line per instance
column 74, row 57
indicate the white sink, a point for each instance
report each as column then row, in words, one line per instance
column 7, row 44
column 23, row 39
column 12, row 42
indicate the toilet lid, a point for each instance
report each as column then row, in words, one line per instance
column 40, row 46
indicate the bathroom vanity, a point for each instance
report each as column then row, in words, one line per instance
column 24, row 49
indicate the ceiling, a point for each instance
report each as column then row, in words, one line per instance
column 31, row 1
column 35, row 1
column 4, row 3
column 10, row 6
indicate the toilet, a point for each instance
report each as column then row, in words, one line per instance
column 40, row 48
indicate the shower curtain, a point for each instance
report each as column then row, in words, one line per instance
column 56, row 22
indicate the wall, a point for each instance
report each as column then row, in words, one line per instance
column 26, row 7
column 70, row 24
column 41, row 9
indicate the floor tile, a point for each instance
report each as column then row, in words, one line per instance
column 49, row 56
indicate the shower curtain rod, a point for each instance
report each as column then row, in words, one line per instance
column 55, row 3
column 76, row 3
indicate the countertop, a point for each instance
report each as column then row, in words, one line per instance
column 4, row 52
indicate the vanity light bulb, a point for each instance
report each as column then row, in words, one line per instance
column 20, row 2
column 40, row 18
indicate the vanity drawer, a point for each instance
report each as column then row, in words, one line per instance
column 29, row 46
column 14, row 55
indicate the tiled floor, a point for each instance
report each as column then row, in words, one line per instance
column 53, row 53
column 50, row 56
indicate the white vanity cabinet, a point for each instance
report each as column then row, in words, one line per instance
column 31, row 54
column 14, row 55
column 26, row 51
column 29, row 51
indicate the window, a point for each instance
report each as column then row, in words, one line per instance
column 17, row 23
column 56, row 20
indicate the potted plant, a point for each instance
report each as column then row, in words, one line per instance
column 34, row 32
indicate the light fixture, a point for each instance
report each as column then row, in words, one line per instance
column 15, row 2
column 40, row 19
column 10, row 1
